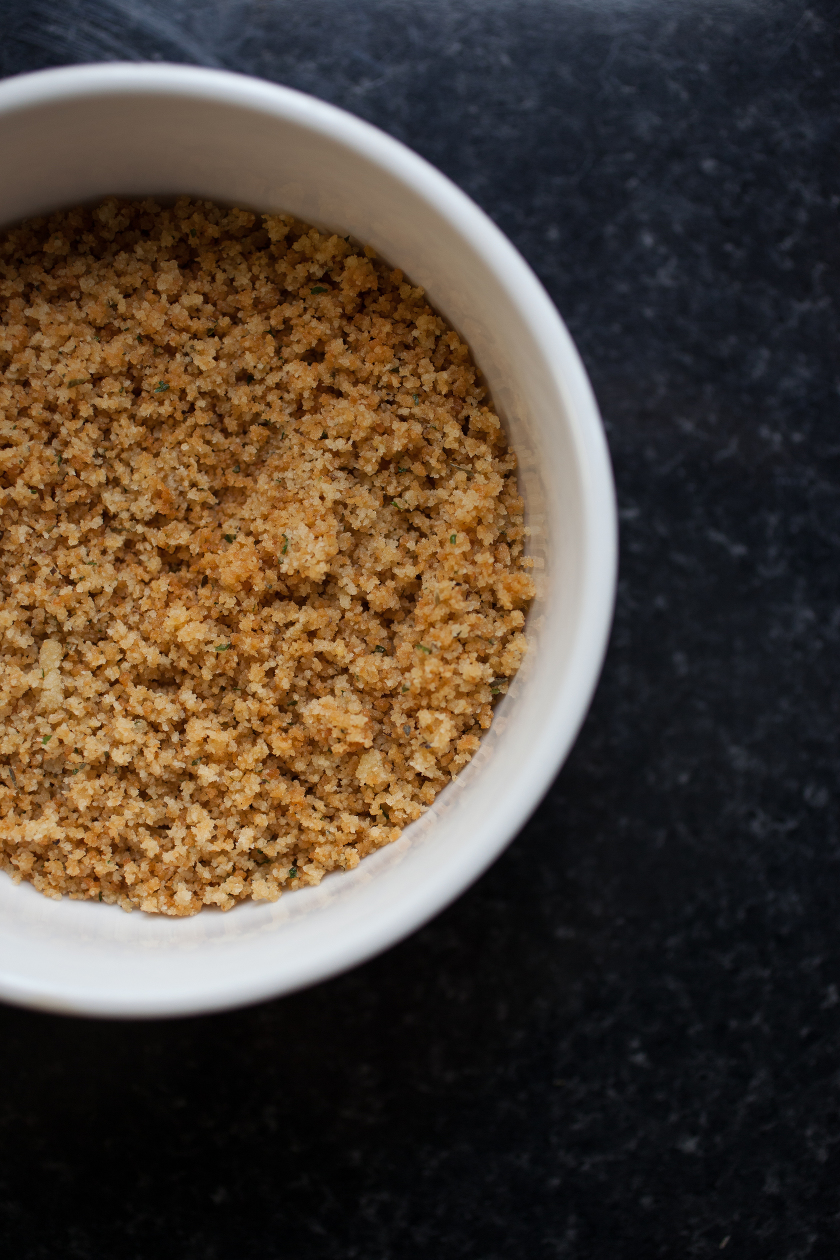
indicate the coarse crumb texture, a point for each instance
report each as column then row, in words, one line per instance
column 262, row 567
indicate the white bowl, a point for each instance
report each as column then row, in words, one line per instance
column 77, row 134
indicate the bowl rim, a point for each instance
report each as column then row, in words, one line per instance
column 598, row 503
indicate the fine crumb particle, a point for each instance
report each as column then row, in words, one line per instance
column 260, row 555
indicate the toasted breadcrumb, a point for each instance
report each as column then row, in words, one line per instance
column 261, row 555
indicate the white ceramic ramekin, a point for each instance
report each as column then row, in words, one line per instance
column 74, row 135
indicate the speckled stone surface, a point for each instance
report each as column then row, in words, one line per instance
column 624, row 1042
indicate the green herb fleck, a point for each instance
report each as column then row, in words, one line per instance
column 399, row 506
column 404, row 690
column 236, row 468
column 379, row 648
column 293, row 872
column 422, row 647
column 222, row 647
column 193, row 232
column 195, row 763
column 46, row 739
column 285, row 545
column 100, row 896
column 139, row 336
column 161, row 387
column 495, row 691
column 323, row 435
column 230, row 537
column 384, row 811
column 416, row 397
column 77, row 380
column 453, row 538
column 319, row 288
column 291, row 702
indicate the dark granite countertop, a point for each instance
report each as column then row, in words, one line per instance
column 624, row 1041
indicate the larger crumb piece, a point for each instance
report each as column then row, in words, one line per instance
column 261, row 555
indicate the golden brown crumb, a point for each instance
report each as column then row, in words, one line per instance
column 261, row 548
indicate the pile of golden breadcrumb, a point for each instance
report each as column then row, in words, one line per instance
column 261, row 555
